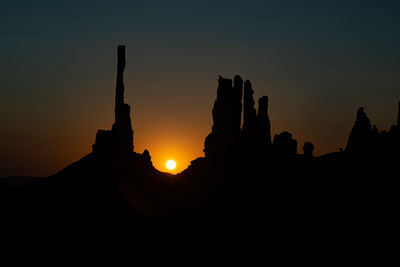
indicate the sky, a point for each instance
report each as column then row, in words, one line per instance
column 318, row 61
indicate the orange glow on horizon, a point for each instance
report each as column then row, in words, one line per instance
column 170, row 142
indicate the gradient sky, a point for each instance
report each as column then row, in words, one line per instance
column 316, row 60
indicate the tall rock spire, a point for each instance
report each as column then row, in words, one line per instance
column 120, row 139
column 122, row 128
column 119, row 90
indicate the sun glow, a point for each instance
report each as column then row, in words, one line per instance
column 170, row 164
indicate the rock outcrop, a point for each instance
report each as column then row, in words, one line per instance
column 120, row 139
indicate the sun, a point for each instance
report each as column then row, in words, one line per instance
column 170, row 164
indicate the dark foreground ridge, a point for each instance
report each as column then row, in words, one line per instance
column 252, row 199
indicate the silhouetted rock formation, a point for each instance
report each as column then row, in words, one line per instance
column 308, row 150
column 264, row 125
column 226, row 112
column 361, row 134
column 285, row 145
column 120, row 139
column 227, row 136
column 146, row 157
column 249, row 128
column 367, row 142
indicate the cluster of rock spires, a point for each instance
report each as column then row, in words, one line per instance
column 254, row 136
column 229, row 135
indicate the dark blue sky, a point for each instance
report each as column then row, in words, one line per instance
column 316, row 60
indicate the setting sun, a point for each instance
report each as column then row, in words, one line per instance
column 170, row 164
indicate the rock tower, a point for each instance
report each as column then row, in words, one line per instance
column 118, row 140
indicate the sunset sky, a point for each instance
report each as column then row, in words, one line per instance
column 318, row 61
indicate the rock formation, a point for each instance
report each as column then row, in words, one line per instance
column 253, row 139
column 264, row 125
column 145, row 156
column 227, row 136
column 249, row 128
column 256, row 130
column 285, row 145
column 226, row 112
column 366, row 141
column 308, row 150
column 361, row 134
column 120, row 139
